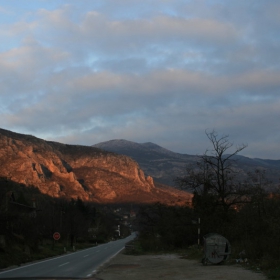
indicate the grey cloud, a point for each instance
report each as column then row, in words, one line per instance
column 97, row 30
column 164, row 72
column 105, row 94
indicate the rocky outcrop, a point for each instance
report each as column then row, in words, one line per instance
column 72, row 171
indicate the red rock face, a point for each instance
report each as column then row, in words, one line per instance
column 73, row 171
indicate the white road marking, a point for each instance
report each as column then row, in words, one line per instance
column 47, row 260
column 54, row 258
column 86, row 256
column 64, row 264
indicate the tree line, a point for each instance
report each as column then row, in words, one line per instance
column 28, row 220
column 241, row 209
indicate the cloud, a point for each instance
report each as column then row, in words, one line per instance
column 164, row 72
column 114, row 37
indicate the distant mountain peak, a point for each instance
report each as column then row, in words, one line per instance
column 164, row 165
column 124, row 144
column 116, row 143
column 151, row 145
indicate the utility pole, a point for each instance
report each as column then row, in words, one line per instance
column 198, row 233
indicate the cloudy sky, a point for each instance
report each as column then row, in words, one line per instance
column 162, row 71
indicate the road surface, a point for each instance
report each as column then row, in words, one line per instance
column 80, row 264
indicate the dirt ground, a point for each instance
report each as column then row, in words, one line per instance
column 149, row 267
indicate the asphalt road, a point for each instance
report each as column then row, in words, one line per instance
column 79, row 264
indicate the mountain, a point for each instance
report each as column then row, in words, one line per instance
column 164, row 165
column 72, row 171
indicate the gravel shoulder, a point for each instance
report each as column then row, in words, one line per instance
column 170, row 266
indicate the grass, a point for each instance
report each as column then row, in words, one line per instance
column 273, row 273
column 270, row 267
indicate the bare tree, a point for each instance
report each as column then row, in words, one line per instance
column 214, row 174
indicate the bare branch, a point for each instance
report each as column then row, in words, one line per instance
column 214, row 174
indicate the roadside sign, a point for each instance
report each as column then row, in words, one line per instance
column 56, row 236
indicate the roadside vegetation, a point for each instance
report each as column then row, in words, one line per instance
column 243, row 211
column 253, row 234
column 29, row 219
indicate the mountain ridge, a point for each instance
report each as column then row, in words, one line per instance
column 165, row 166
column 71, row 171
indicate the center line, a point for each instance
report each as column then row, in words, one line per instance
column 64, row 264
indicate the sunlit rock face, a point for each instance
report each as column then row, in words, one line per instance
column 31, row 161
column 74, row 171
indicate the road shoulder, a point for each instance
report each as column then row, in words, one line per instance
column 169, row 266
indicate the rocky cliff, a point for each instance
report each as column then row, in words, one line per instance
column 72, row 171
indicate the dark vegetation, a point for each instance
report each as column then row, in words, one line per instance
column 163, row 228
column 245, row 212
column 28, row 220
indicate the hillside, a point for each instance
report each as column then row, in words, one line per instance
column 164, row 165
column 73, row 171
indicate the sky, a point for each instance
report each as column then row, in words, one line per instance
column 161, row 71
